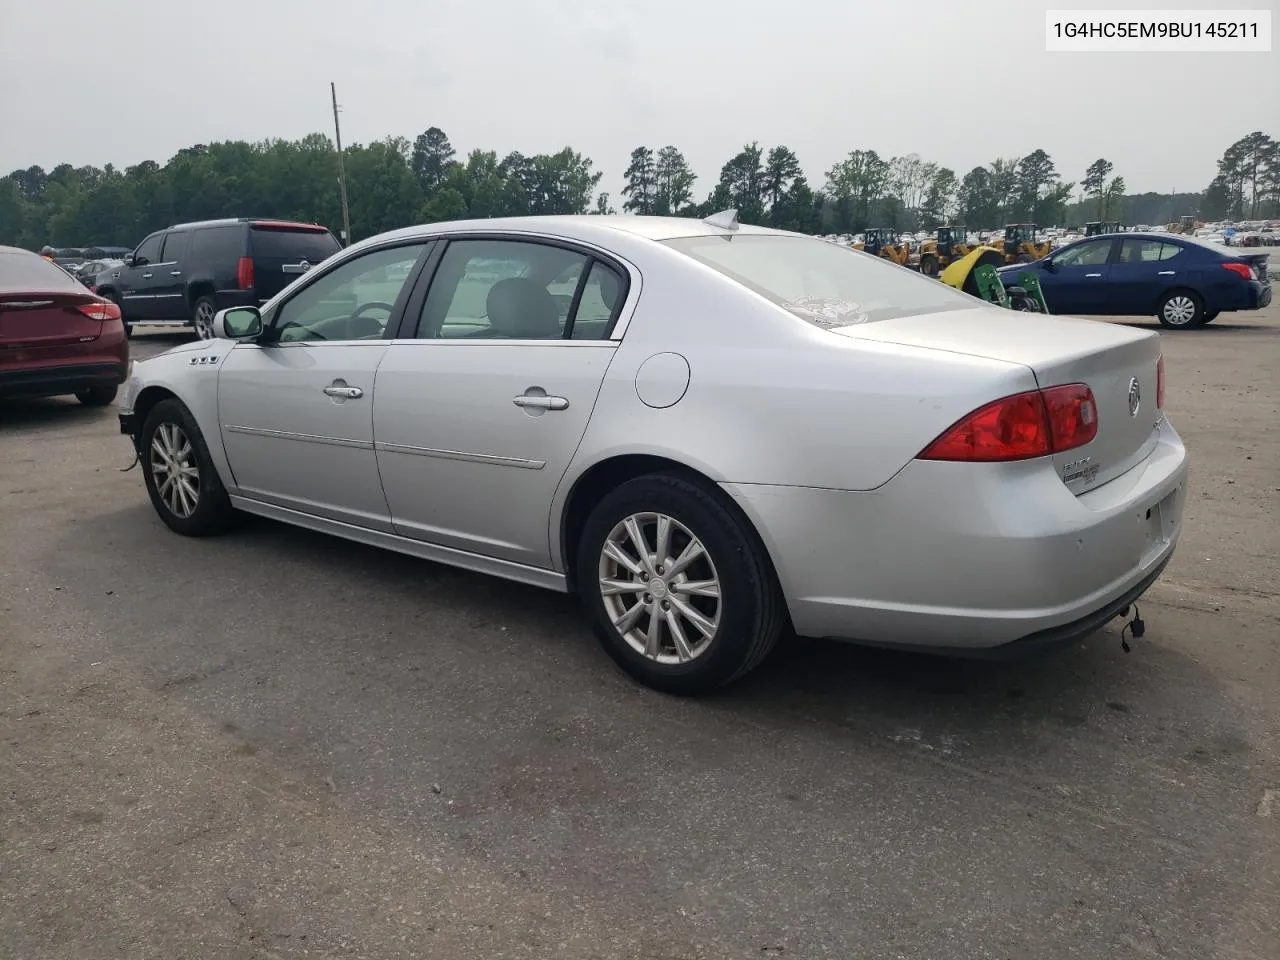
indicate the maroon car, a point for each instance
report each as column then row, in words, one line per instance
column 56, row 337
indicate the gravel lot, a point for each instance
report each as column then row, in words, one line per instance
column 276, row 744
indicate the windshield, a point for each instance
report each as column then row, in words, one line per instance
column 824, row 283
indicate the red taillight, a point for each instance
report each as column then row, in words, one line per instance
column 1243, row 269
column 1160, row 383
column 1026, row 425
column 244, row 273
column 100, row 311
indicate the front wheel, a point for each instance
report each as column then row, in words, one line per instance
column 681, row 593
column 1181, row 310
column 929, row 265
column 181, row 479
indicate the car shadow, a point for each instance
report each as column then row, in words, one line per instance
column 23, row 414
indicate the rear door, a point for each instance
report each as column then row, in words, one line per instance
column 1138, row 277
column 282, row 252
column 167, row 280
column 483, row 399
column 137, row 293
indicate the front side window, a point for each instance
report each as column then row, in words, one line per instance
column 149, row 249
column 1091, row 253
column 351, row 302
column 519, row 290
column 827, row 284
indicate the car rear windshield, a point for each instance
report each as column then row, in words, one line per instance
column 293, row 245
column 25, row 272
column 825, row 283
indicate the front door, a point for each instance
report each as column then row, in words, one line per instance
column 137, row 281
column 296, row 412
column 1077, row 284
column 481, row 408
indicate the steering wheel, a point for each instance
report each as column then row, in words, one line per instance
column 373, row 305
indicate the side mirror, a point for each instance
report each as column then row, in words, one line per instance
column 237, row 323
column 1048, row 264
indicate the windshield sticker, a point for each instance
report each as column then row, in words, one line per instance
column 827, row 311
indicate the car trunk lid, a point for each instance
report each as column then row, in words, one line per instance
column 1258, row 262
column 1117, row 363
column 30, row 321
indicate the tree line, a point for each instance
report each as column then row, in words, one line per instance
column 396, row 182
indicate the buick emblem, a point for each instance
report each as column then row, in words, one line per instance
column 1135, row 397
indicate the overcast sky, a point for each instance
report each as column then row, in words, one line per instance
column 957, row 82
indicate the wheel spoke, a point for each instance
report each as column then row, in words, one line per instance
column 678, row 637
column 698, row 588
column 662, row 541
column 653, row 638
column 613, row 588
column 694, row 616
column 619, row 556
column 636, row 536
column 627, row 622
column 692, row 551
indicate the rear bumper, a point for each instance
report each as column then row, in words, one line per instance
column 55, row 381
column 971, row 557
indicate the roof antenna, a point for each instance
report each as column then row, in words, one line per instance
column 724, row 220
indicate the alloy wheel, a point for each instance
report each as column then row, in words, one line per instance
column 660, row 588
column 204, row 320
column 175, row 470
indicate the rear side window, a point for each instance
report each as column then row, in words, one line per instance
column 827, row 284
column 292, row 246
column 1169, row 250
column 175, row 247
column 26, row 272
column 217, row 244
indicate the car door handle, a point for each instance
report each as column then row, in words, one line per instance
column 175, row 273
column 1093, row 274
column 146, row 276
column 541, row 403
column 346, row 393
column 1166, row 273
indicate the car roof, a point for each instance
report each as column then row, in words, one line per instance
column 588, row 227
column 252, row 221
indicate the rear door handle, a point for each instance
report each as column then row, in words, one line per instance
column 1093, row 274
column 541, row 403
column 344, row 393
column 1166, row 273
column 146, row 276
column 175, row 273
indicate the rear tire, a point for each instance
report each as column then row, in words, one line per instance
column 693, row 625
column 1181, row 310
column 97, row 396
column 183, row 483
column 202, row 312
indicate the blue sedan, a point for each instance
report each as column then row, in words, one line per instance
column 1182, row 281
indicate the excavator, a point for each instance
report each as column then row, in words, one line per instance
column 977, row 274
column 883, row 242
column 1020, row 245
column 950, row 245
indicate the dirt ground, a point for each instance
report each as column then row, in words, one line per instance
column 274, row 744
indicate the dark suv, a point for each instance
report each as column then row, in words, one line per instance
column 183, row 275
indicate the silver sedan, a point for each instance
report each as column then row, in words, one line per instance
column 715, row 434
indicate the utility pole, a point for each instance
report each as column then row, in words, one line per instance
column 342, row 173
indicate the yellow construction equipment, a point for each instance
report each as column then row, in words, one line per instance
column 1184, row 225
column 883, row 242
column 1020, row 244
column 950, row 245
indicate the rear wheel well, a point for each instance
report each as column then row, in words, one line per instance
column 202, row 288
column 611, row 473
